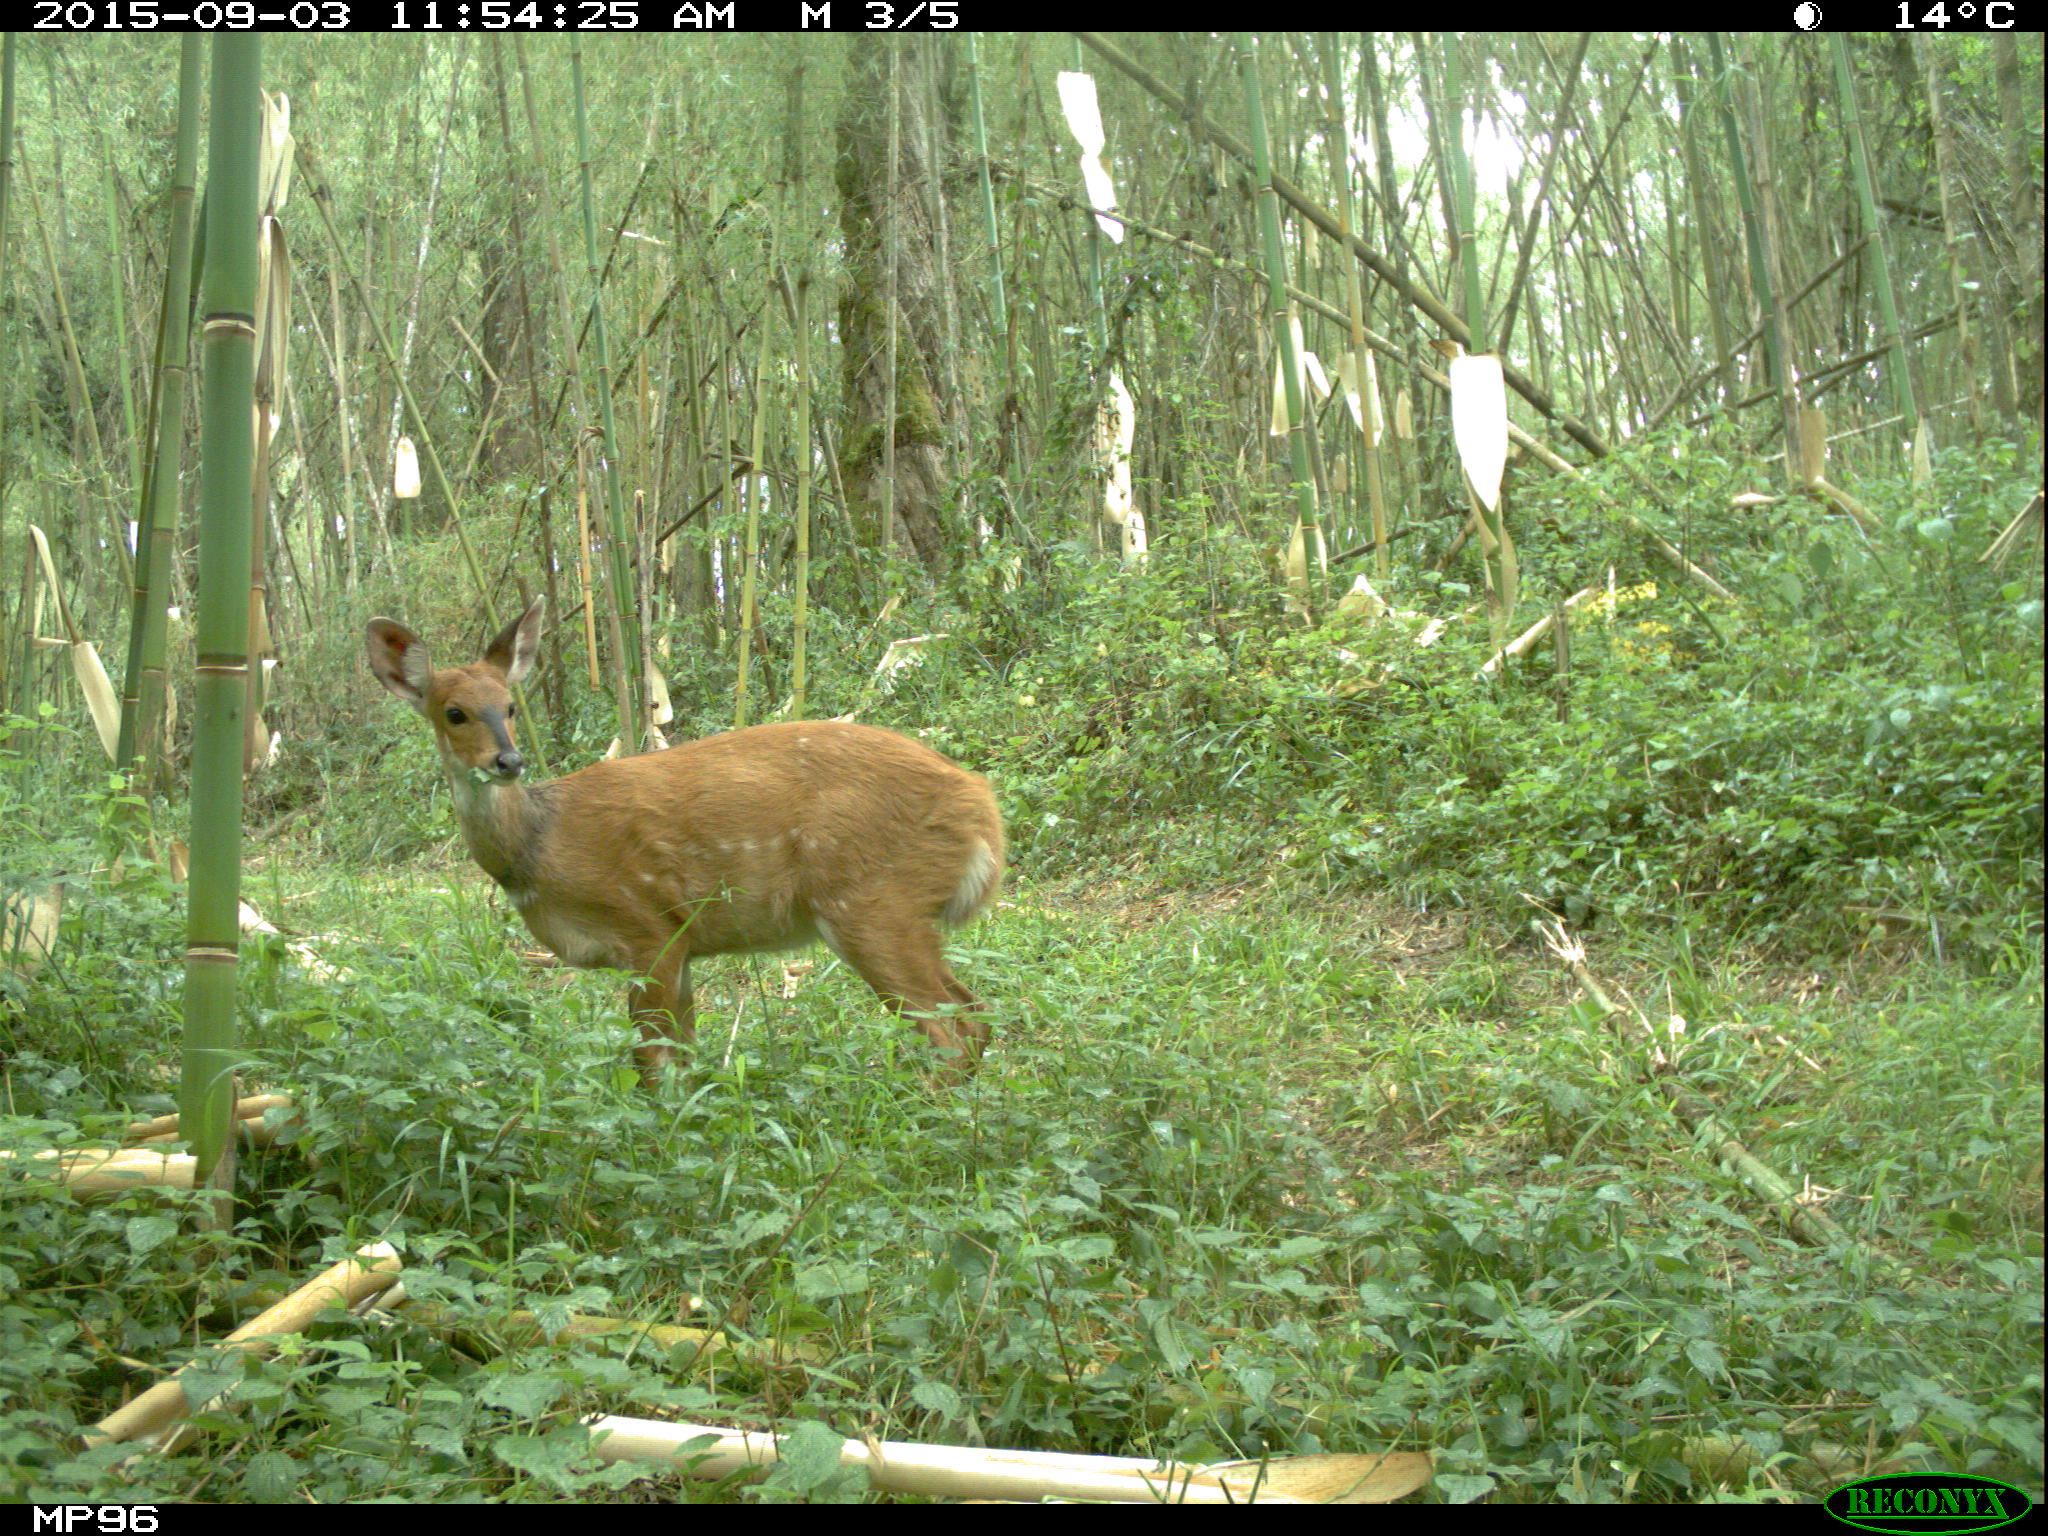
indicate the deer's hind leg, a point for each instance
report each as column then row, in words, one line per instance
column 904, row 961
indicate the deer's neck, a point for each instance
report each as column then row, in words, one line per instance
column 505, row 824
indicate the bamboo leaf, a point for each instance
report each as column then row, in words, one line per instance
column 100, row 696
column 1313, row 375
column 56, row 588
column 277, row 151
column 273, row 312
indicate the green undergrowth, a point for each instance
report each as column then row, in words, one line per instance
column 1249, row 1174
column 1850, row 755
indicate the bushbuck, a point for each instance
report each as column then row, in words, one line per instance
column 764, row 838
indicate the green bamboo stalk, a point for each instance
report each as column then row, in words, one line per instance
column 1881, row 266
column 423, row 436
column 142, row 703
column 1752, row 231
column 118, row 283
column 619, row 543
column 796, row 304
column 799, row 627
column 1959, row 238
column 757, row 487
column 1306, row 519
column 1497, row 553
column 228, row 348
column 999, row 310
column 6, row 140
column 1540, row 204
column 697, row 600
column 892, row 312
column 343, row 549
column 1709, row 231
column 74, row 373
column 1458, row 167
column 7, row 41
column 1339, row 136
column 728, row 366
column 571, row 337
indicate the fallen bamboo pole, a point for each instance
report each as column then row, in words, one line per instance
column 367, row 1270
column 965, row 1472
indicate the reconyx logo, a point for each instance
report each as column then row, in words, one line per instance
column 1924, row 1502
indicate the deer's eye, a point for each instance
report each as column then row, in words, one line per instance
column 456, row 716
column 511, row 710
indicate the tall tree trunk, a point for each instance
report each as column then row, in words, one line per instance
column 869, row 205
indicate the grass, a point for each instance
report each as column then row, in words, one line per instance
column 1252, row 1171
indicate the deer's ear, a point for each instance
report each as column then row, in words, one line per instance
column 399, row 658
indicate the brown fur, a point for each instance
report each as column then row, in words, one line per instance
column 765, row 838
